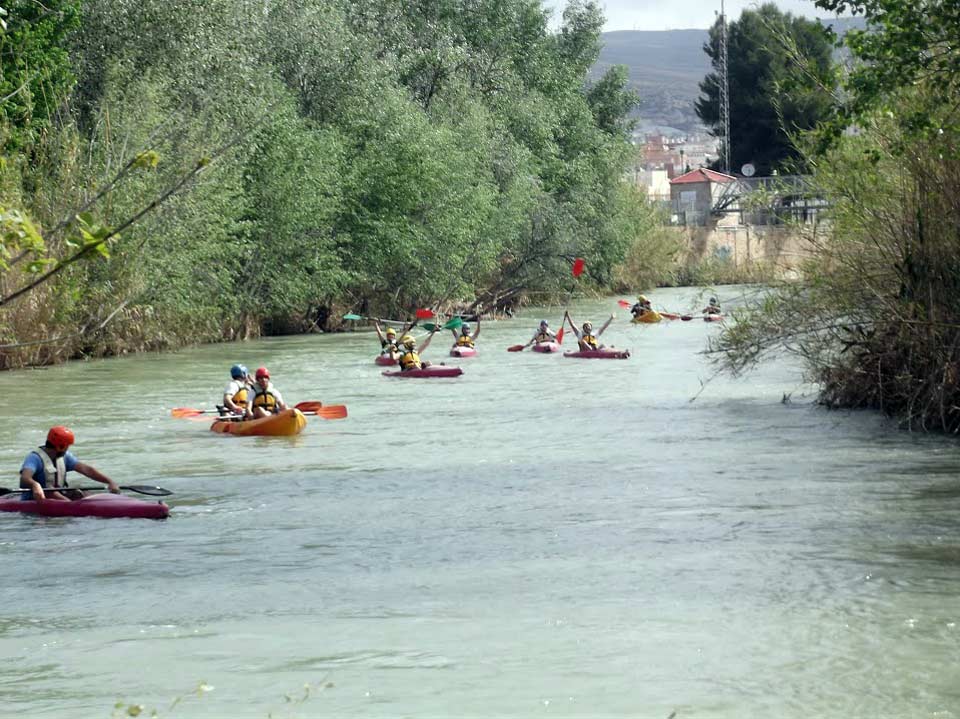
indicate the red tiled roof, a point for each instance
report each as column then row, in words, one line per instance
column 702, row 174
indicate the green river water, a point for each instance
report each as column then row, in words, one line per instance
column 540, row 537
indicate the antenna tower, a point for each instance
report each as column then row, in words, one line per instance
column 724, row 93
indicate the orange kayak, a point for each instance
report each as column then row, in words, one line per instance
column 285, row 424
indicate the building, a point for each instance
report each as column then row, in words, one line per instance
column 694, row 194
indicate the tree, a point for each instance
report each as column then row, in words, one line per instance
column 771, row 96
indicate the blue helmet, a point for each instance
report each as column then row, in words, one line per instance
column 238, row 371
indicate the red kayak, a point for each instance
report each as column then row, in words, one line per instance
column 94, row 505
column 385, row 361
column 599, row 354
column 463, row 351
column 427, row 372
column 546, row 347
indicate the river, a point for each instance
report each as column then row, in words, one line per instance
column 540, row 537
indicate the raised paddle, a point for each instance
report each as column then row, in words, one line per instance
column 138, row 488
column 452, row 324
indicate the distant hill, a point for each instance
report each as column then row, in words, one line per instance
column 666, row 68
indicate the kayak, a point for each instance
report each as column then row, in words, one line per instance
column 599, row 354
column 463, row 352
column 285, row 424
column 385, row 360
column 546, row 347
column 94, row 505
column 427, row 372
column 713, row 318
column 647, row 318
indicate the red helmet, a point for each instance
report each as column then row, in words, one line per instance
column 60, row 438
column 262, row 372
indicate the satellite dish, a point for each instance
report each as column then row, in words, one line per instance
column 748, row 170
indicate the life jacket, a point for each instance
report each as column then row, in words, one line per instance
column 267, row 399
column 240, row 398
column 590, row 340
column 54, row 470
column 464, row 341
column 388, row 346
column 712, row 310
column 543, row 337
column 410, row 360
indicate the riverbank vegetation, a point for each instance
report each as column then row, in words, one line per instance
column 877, row 316
column 178, row 173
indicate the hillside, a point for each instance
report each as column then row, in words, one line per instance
column 666, row 68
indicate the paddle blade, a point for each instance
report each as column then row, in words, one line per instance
column 424, row 314
column 333, row 411
column 623, row 303
column 185, row 411
column 515, row 348
column 560, row 336
column 686, row 318
column 454, row 324
column 578, row 265
column 308, row 406
column 430, row 327
column 352, row 317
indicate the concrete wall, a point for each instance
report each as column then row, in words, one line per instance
column 782, row 247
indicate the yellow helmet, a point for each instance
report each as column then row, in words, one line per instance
column 391, row 331
column 642, row 298
column 408, row 341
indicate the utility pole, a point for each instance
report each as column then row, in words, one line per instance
column 724, row 94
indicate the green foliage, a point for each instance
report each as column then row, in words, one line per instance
column 264, row 162
column 780, row 75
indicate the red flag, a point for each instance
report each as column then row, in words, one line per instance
column 578, row 265
column 424, row 314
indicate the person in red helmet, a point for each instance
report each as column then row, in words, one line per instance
column 265, row 400
column 44, row 471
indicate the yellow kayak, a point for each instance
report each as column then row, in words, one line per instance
column 285, row 424
column 647, row 318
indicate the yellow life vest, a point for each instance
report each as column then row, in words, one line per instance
column 410, row 360
column 543, row 337
column 266, row 399
column 240, row 398
column 464, row 341
column 590, row 340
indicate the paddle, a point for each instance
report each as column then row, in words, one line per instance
column 516, row 348
column 579, row 265
column 453, row 324
column 138, row 488
column 307, row 407
column 421, row 315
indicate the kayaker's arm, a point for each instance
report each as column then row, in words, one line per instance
column 426, row 343
column 28, row 482
column 93, row 473
column 376, row 326
column 605, row 325
column 476, row 332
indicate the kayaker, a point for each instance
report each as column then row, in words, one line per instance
column 235, row 394
column 713, row 307
column 464, row 338
column 265, row 400
column 50, row 463
column 542, row 335
column 641, row 307
column 409, row 357
column 388, row 341
column 586, row 337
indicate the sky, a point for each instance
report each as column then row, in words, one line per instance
column 680, row 14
